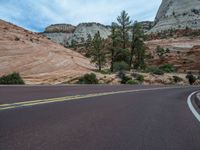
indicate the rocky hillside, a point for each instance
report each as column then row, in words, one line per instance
column 177, row 14
column 184, row 53
column 36, row 58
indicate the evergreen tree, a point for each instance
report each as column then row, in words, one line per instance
column 88, row 41
column 97, row 51
column 137, row 47
column 88, row 45
column 124, row 24
column 115, row 39
column 73, row 43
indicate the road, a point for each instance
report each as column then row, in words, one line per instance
column 154, row 119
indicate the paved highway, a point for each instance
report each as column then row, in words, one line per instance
column 153, row 119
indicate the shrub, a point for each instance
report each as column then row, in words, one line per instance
column 191, row 78
column 120, row 66
column 167, row 68
column 13, row 78
column 131, row 82
column 140, row 78
column 105, row 71
column 177, row 79
column 88, row 79
column 157, row 71
column 161, row 52
column 154, row 70
column 123, row 77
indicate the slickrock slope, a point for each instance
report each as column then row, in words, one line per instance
column 177, row 14
column 36, row 58
column 184, row 53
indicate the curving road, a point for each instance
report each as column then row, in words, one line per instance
column 153, row 119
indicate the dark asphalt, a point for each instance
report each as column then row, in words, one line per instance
column 11, row 94
column 146, row 120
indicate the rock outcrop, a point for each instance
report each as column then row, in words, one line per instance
column 64, row 34
column 146, row 25
column 64, row 28
column 38, row 59
column 59, row 33
column 177, row 14
column 84, row 29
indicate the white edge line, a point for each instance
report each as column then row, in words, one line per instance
column 193, row 110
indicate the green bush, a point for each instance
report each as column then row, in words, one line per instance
column 88, row 79
column 105, row 71
column 122, row 55
column 191, row 78
column 167, row 68
column 158, row 72
column 154, row 70
column 124, row 78
column 132, row 82
column 120, row 66
column 13, row 78
column 177, row 79
column 140, row 78
column 161, row 52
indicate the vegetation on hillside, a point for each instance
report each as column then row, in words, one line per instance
column 124, row 50
column 88, row 79
column 13, row 78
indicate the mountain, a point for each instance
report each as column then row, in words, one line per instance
column 36, row 58
column 177, row 14
column 65, row 33
column 84, row 29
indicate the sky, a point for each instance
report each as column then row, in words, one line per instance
column 35, row 15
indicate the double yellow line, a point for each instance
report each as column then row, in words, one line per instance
column 69, row 98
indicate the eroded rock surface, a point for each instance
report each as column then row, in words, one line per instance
column 177, row 14
column 38, row 59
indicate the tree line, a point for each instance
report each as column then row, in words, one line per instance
column 124, row 48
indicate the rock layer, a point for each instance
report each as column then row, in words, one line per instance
column 184, row 53
column 64, row 28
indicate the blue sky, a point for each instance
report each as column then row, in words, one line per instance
column 35, row 15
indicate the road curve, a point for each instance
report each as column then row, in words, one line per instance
column 146, row 120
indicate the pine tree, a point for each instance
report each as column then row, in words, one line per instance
column 137, row 47
column 97, row 51
column 124, row 24
column 115, row 40
column 88, row 41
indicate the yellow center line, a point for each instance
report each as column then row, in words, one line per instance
column 69, row 98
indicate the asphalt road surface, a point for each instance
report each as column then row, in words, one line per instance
column 154, row 119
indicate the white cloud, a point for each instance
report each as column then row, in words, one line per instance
column 36, row 14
